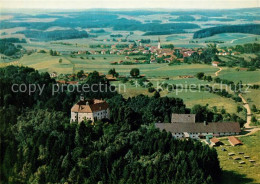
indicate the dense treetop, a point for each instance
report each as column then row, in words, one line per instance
column 40, row 145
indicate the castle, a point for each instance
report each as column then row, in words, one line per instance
column 89, row 110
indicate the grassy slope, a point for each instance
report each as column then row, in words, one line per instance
column 203, row 98
column 250, row 77
column 253, row 97
column 45, row 62
column 248, row 173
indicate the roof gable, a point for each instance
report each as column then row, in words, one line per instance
column 89, row 106
column 183, row 118
column 218, row 127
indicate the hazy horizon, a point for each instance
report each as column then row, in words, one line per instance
column 134, row 4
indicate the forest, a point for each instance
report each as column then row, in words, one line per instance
column 8, row 48
column 247, row 28
column 174, row 31
column 90, row 19
column 40, row 145
column 54, row 35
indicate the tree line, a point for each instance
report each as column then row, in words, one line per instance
column 247, row 28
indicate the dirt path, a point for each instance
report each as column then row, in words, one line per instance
column 220, row 69
column 240, row 38
column 250, row 130
column 248, row 117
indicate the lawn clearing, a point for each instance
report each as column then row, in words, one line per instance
column 235, row 173
column 247, row 77
column 46, row 62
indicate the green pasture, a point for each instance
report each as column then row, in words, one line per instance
column 45, row 62
column 190, row 97
column 179, row 70
column 247, row 77
column 193, row 97
column 253, row 98
column 102, row 63
column 235, row 173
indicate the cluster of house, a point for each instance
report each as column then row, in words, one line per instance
column 167, row 54
column 234, row 141
column 222, row 52
column 184, row 126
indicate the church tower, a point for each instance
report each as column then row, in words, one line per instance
column 159, row 43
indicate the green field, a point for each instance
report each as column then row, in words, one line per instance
column 45, row 62
column 203, row 98
column 253, row 98
column 235, row 173
column 155, row 72
column 247, row 77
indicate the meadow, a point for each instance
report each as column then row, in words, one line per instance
column 192, row 98
column 46, row 63
column 253, row 98
column 235, row 173
column 156, row 73
column 247, row 77
column 102, row 63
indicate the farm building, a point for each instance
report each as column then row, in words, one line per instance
column 234, row 141
column 215, row 63
column 200, row 130
column 53, row 74
column 215, row 141
column 89, row 110
column 111, row 78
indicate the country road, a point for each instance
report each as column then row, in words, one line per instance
column 249, row 129
column 220, row 69
column 248, row 117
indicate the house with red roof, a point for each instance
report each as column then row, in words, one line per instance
column 215, row 63
column 93, row 110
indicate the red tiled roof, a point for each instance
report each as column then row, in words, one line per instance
column 214, row 140
column 215, row 62
column 89, row 106
column 234, row 141
column 72, row 82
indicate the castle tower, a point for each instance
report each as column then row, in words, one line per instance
column 159, row 43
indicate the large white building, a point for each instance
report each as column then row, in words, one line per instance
column 89, row 110
column 184, row 126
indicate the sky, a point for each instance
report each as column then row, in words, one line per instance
column 129, row 4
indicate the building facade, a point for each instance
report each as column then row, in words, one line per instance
column 89, row 110
column 184, row 126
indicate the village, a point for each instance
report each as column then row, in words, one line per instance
column 145, row 54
